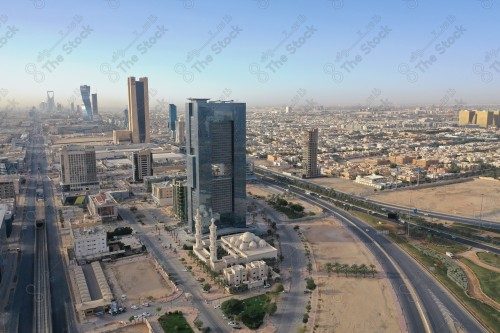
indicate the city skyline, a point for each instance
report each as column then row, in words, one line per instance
column 329, row 53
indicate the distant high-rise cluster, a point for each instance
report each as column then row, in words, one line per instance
column 310, row 153
column 172, row 114
column 480, row 118
column 216, row 161
column 51, row 105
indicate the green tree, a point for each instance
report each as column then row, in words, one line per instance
column 207, row 287
column 345, row 269
column 337, row 267
column 354, row 269
column 131, row 318
column 232, row 307
column 363, row 269
column 271, row 308
column 310, row 284
column 328, row 268
column 373, row 271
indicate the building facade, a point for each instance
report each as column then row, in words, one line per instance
column 7, row 187
column 89, row 241
column 142, row 164
column 163, row 194
column 103, row 206
column 310, row 153
column 180, row 199
column 216, row 162
column 95, row 108
column 85, row 91
column 172, row 116
column 180, row 133
column 78, row 168
column 138, row 109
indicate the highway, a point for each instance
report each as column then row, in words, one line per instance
column 402, row 209
column 21, row 309
column 442, row 312
column 63, row 314
column 42, row 304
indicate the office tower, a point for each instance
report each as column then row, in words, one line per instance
column 180, row 199
column 78, row 168
column 172, row 113
column 51, row 105
column 85, row 91
column 95, row 109
column 78, row 109
column 216, row 158
column 72, row 107
column 142, row 164
column 180, row 133
column 310, row 153
column 125, row 113
column 138, row 109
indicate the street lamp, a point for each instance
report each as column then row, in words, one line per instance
column 481, row 211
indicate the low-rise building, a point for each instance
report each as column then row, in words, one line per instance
column 253, row 274
column 163, row 194
column 89, row 242
column 372, row 180
column 7, row 187
column 103, row 206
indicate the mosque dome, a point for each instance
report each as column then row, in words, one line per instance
column 252, row 245
column 232, row 240
column 247, row 237
column 262, row 243
column 243, row 246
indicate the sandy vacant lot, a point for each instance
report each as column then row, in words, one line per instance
column 138, row 279
column 350, row 304
column 462, row 199
column 343, row 185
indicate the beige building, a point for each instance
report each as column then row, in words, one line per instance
column 163, row 193
column 103, row 206
column 310, row 153
column 78, row 168
column 138, row 109
column 253, row 274
column 372, row 180
column 121, row 136
column 480, row 118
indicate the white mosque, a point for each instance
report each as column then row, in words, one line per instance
column 242, row 249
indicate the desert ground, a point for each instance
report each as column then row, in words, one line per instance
column 343, row 185
column 458, row 199
column 264, row 191
column 350, row 304
column 137, row 278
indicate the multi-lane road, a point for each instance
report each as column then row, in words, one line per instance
column 21, row 308
column 430, row 307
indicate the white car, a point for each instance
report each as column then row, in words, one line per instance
column 146, row 314
column 134, row 307
column 217, row 306
column 267, row 286
column 232, row 323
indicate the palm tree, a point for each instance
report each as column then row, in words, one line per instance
column 354, row 269
column 373, row 270
column 363, row 269
column 345, row 269
column 328, row 268
column 337, row 267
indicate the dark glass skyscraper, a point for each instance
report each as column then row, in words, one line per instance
column 172, row 114
column 138, row 109
column 95, row 109
column 216, row 158
column 85, row 91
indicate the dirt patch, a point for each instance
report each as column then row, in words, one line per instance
column 137, row 328
column 138, row 279
column 476, row 198
column 350, row 304
column 343, row 185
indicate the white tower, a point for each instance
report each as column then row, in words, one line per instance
column 197, row 219
column 213, row 239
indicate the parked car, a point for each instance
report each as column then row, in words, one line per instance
column 134, row 307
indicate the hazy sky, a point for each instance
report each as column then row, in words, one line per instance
column 261, row 52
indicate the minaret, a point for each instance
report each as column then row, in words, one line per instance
column 197, row 219
column 213, row 239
